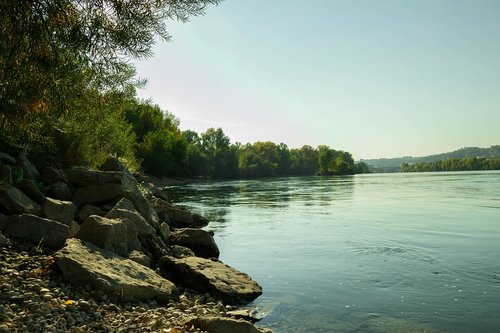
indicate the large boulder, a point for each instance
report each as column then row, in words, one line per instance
column 84, row 263
column 28, row 187
column 58, row 190
column 125, row 209
column 50, row 176
column 198, row 240
column 224, row 325
column 214, row 277
column 97, row 194
column 177, row 216
column 82, row 177
column 142, row 205
column 178, row 251
column 37, row 230
column 155, row 246
column 61, row 211
column 140, row 258
column 113, row 164
column 29, row 170
column 16, row 202
column 106, row 233
column 88, row 210
column 98, row 187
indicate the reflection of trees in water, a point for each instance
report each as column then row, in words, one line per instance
column 213, row 199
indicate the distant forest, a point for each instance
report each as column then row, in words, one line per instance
column 455, row 160
column 166, row 151
column 454, row 164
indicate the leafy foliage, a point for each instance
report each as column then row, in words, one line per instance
column 161, row 145
column 66, row 75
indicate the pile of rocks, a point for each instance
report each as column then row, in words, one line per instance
column 117, row 256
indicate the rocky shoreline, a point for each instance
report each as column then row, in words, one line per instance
column 95, row 250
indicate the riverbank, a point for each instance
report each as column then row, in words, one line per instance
column 97, row 250
column 36, row 298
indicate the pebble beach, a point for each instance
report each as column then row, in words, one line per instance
column 35, row 298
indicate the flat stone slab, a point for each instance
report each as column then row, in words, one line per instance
column 84, row 263
column 204, row 275
column 200, row 241
column 37, row 230
column 16, row 202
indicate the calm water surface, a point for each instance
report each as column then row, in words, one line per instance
column 366, row 253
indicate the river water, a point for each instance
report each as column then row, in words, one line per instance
column 365, row 253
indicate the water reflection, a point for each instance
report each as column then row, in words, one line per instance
column 213, row 198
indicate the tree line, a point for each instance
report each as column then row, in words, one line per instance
column 165, row 150
column 68, row 96
column 454, row 164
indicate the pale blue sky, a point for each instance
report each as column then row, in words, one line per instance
column 377, row 78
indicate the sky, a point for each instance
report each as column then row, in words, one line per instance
column 377, row 78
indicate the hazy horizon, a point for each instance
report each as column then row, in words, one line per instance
column 377, row 79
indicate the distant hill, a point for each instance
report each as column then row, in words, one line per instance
column 393, row 164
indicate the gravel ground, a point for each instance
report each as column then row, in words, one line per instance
column 35, row 298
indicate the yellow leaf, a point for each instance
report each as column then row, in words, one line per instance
column 69, row 302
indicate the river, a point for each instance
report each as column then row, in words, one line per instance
column 416, row 252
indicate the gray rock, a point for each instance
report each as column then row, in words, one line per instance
column 88, row 210
column 154, row 246
column 214, row 277
column 178, row 251
column 29, row 169
column 7, row 159
column 140, row 258
column 154, row 190
column 199, row 220
column 223, row 325
column 97, row 194
column 198, row 240
column 141, row 204
column 132, row 239
column 73, row 228
column 80, row 177
column 112, row 164
column 58, row 190
column 28, row 187
column 16, row 202
column 98, row 187
column 83, row 263
column 164, row 230
column 61, row 211
column 105, row 233
column 125, row 209
column 50, row 176
column 177, row 216
column 5, row 174
column 47, row 233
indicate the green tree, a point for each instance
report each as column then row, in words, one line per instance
column 221, row 155
column 55, row 55
column 304, row 161
column 161, row 144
